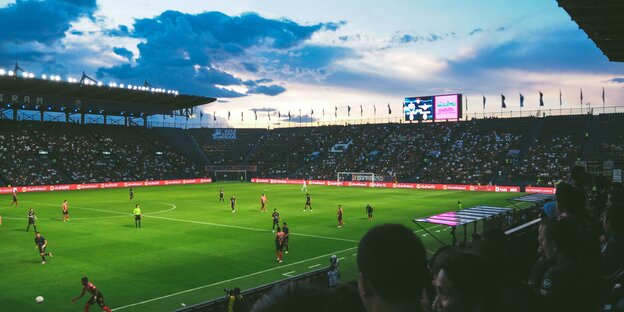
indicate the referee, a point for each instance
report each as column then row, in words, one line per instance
column 137, row 216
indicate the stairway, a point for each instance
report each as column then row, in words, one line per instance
column 182, row 141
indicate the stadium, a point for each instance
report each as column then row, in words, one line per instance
column 146, row 197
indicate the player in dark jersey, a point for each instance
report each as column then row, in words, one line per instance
column 41, row 243
column 340, row 212
column 279, row 244
column 131, row 193
column 369, row 211
column 308, row 203
column 31, row 220
column 286, row 231
column 221, row 196
column 65, row 209
column 263, row 201
column 275, row 216
column 233, row 203
column 96, row 296
column 14, row 198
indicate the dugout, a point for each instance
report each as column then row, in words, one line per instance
column 488, row 216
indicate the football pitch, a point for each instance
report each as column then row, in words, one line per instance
column 190, row 245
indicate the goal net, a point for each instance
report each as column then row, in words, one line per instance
column 356, row 177
column 230, row 175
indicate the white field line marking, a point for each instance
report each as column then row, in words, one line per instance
column 314, row 266
column 114, row 212
column 341, row 258
column 355, row 254
column 429, row 251
column 229, row 280
column 210, row 223
column 288, row 273
column 428, row 228
column 254, row 229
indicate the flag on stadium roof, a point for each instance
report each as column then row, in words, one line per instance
column 541, row 98
column 349, row 110
column 581, row 96
column 214, row 115
column 521, row 100
column 603, row 96
column 228, row 115
column 484, row 99
column 361, row 111
column 389, row 109
column 560, row 101
column 503, row 105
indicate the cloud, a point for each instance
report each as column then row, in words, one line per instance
column 271, row 90
column 617, row 80
column 402, row 38
column 192, row 52
column 45, row 22
column 250, row 67
column 475, row 31
column 123, row 52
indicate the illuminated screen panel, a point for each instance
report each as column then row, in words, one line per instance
column 418, row 108
column 447, row 107
column 433, row 107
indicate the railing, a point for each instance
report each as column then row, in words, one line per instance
column 317, row 277
column 296, row 122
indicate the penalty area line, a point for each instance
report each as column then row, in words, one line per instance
column 228, row 280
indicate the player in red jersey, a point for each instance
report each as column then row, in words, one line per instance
column 263, row 201
column 340, row 212
column 14, row 198
column 279, row 244
column 96, row 296
column 65, row 208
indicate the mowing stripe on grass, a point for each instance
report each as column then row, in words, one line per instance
column 228, row 280
column 254, row 229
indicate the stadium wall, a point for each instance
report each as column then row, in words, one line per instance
column 106, row 185
column 419, row 186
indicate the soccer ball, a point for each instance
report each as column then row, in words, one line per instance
column 39, row 299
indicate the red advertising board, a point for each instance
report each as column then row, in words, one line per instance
column 540, row 190
column 420, row 186
column 91, row 186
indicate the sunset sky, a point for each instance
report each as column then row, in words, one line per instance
column 291, row 55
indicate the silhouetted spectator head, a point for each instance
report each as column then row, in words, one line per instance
column 465, row 283
column 392, row 264
column 616, row 195
column 578, row 175
column 571, row 200
column 613, row 219
column 559, row 238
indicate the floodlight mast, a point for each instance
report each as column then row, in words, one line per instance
column 86, row 78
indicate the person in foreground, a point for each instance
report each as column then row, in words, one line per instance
column 96, row 296
column 393, row 282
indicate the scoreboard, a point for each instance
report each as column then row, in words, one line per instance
column 433, row 107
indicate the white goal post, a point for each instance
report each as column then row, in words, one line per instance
column 356, row 177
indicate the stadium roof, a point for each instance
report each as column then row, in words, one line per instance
column 602, row 21
column 41, row 94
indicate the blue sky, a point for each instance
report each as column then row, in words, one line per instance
column 291, row 55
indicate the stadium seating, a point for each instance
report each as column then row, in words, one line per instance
column 53, row 153
column 514, row 151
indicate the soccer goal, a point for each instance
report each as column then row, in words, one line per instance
column 230, row 175
column 356, row 177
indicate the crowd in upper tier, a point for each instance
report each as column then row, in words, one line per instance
column 519, row 151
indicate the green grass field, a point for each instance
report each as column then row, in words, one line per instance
column 191, row 246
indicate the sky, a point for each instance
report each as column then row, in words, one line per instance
column 281, row 55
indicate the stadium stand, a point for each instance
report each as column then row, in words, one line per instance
column 54, row 153
column 224, row 152
column 510, row 151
